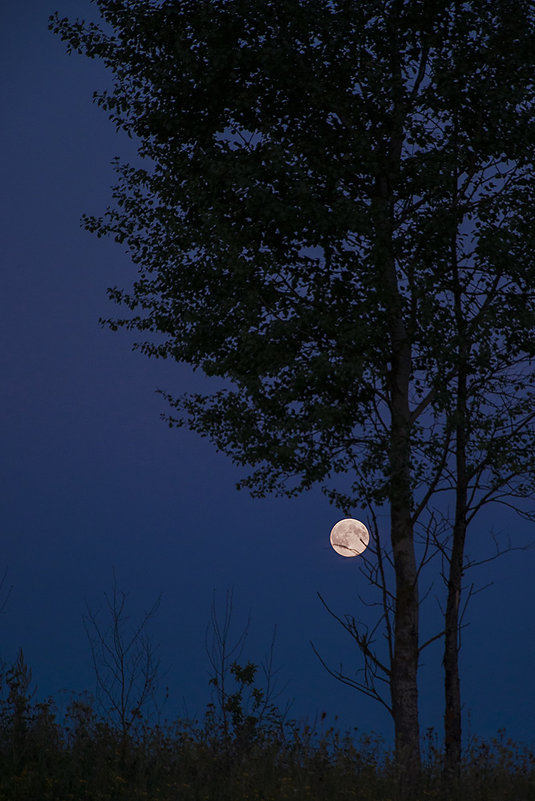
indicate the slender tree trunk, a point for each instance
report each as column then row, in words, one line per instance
column 452, row 684
column 404, row 688
column 403, row 683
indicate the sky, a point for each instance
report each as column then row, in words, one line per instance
column 93, row 481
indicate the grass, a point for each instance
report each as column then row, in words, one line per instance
column 243, row 750
column 85, row 757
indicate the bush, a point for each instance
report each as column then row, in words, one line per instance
column 259, row 758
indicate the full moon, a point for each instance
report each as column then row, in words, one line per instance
column 349, row 537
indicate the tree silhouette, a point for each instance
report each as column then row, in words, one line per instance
column 336, row 220
column 124, row 660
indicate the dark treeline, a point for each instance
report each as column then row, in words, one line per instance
column 244, row 749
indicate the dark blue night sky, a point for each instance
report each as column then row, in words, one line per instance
column 92, row 480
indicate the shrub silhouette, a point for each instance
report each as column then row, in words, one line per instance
column 80, row 757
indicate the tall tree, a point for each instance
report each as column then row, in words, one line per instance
column 314, row 170
column 489, row 405
column 492, row 418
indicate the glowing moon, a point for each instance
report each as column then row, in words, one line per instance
column 349, row 537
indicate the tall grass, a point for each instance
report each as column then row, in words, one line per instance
column 81, row 756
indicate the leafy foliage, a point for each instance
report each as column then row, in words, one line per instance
column 256, row 221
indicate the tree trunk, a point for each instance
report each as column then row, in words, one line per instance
column 452, row 684
column 404, row 688
column 404, row 668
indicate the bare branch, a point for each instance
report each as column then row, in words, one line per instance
column 363, row 687
column 126, row 670
column 361, row 638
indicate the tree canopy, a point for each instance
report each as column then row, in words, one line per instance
column 270, row 128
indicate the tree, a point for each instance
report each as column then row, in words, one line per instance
column 124, row 660
column 15, row 707
column 493, row 459
column 244, row 708
column 337, row 201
